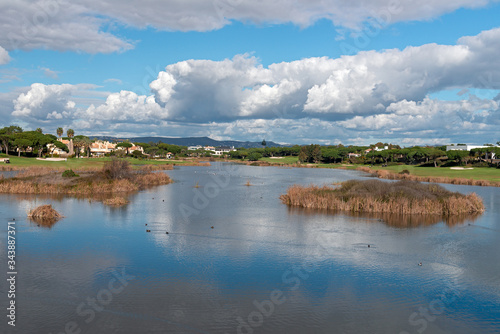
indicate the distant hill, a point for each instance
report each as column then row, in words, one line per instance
column 191, row 141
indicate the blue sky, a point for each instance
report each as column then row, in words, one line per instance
column 292, row 72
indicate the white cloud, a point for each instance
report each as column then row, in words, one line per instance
column 49, row 73
column 83, row 25
column 4, row 56
column 370, row 94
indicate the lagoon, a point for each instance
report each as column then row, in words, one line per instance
column 262, row 268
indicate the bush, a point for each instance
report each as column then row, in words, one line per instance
column 138, row 155
column 69, row 173
column 405, row 171
column 116, row 169
column 254, row 156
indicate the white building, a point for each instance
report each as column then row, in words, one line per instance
column 468, row 148
column 194, row 148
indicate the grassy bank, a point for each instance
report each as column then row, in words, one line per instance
column 373, row 196
column 115, row 177
column 17, row 163
column 474, row 177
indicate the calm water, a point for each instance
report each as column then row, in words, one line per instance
column 262, row 268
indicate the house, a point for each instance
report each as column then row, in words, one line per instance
column 223, row 150
column 100, row 148
column 170, row 155
column 368, row 150
column 353, row 155
column 378, row 149
column 209, row 148
column 194, row 148
column 468, row 148
column 52, row 149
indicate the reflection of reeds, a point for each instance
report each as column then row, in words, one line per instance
column 45, row 215
column 248, row 184
column 196, row 185
column 385, row 174
column 375, row 196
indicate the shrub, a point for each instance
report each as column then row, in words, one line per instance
column 405, row 171
column 254, row 156
column 116, row 169
column 138, row 155
column 69, row 173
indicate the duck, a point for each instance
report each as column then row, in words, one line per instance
column 166, row 232
column 148, row 230
column 420, row 264
column 368, row 246
column 212, row 227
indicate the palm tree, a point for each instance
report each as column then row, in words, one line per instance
column 60, row 132
column 71, row 134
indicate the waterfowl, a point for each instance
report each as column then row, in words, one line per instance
column 148, row 230
column 368, row 246
column 420, row 263
column 212, row 227
column 166, row 232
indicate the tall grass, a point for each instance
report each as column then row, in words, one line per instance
column 404, row 197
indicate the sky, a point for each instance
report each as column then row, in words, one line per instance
column 296, row 72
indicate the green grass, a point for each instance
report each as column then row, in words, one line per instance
column 478, row 173
column 75, row 163
column 284, row 160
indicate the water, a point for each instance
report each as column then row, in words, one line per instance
column 262, row 268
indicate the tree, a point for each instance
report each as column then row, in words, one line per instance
column 39, row 130
column 71, row 134
column 21, row 144
column 254, row 156
column 7, row 136
column 60, row 132
column 125, row 144
column 264, row 144
column 457, row 155
column 311, row 153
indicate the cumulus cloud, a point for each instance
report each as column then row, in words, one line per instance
column 45, row 102
column 82, row 25
column 4, row 56
column 371, row 93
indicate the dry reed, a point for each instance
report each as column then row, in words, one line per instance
column 44, row 212
column 115, row 201
column 402, row 197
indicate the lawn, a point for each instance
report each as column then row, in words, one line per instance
column 83, row 163
column 282, row 160
column 478, row 173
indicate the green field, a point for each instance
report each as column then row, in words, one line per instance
column 478, row 173
column 74, row 163
column 283, row 160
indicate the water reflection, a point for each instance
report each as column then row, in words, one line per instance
column 392, row 219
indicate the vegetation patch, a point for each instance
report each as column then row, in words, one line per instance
column 116, row 177
column 403, row 197
column 116, row 201
column 69, row 173
column 45, row 215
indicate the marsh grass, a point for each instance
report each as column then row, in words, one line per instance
column 403, row 198
column 44, row 215
column 116, row 201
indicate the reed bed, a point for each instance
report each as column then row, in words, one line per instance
column 44, row 212
column 404, row 198
column 87, row 187
column 115, row 201
column 385, row 174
